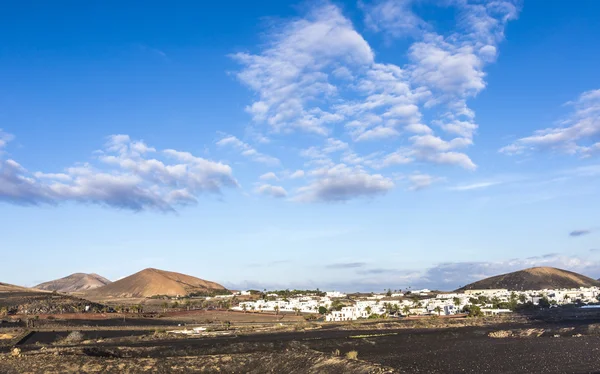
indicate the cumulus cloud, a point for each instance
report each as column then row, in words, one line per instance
column 129, row 175
column 269, row 176
column 576, row 134
column 394, row 18
column 317, row 71
column 272, row 191
column 246, row 150
column 297, row 174
column 342, row 183
column 289, row 73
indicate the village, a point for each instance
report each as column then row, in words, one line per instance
column 337, row 306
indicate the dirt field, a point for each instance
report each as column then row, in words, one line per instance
column 293, row 358
column 533, row 347
column 549, row 342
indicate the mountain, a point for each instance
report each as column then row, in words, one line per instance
column 151, row 282
column 536, row 278
column 74, row 283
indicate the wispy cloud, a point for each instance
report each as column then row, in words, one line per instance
column 576, row 233
column 474, row 186
column 247, row 151
column 577, row 134
column 346, row 265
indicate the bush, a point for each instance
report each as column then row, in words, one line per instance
column 473, row 311
column 352, row 355
column 74, row 337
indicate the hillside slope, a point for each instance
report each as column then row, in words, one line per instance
column 5, row 287
column 151, row 282
column 536, row 278
column 74, row 283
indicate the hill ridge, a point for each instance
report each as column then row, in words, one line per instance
column 534, row 278
column 151, row 282
column 75, row 282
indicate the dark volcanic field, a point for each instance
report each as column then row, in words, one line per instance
column 50, row 337
column 450, row 350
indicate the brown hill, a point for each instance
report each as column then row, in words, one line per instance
column 5, row 287
column 151, row 282
column 536, row 278
column 74, row 283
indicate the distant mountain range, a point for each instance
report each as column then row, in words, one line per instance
column 77, row 282
column 152, row 282
column 536, row 278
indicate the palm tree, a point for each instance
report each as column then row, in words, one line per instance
column 406, row 310
column 244, row 308
column 456, row 301
column 368, row 310
column 276, row 310
column 438, row 310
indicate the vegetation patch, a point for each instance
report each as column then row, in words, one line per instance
column 352, row 355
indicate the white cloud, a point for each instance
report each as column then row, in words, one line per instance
column 270, row 190
column 125, row 178
column 289, row 73
column 334, row 145
column 393, row 17
column 342, row 183
column 449, row 158
column 54, row 176
column 575, row 135
column 5, row 138
column 322, row 153
column 446, row 67
column 474, row 186
column 297, row 174
column 317, row 74
column 420, row 181
column 436, row 150
column 400, row 157
column 269, row 176
column 379, row 132
column 247, row 151
column 455, row 274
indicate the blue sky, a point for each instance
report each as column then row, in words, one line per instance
column 348, row 145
